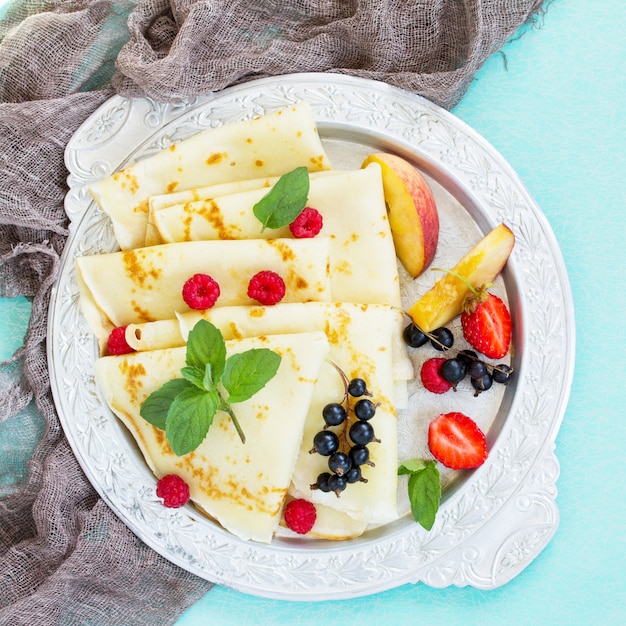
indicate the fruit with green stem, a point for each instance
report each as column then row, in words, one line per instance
column 481, row 265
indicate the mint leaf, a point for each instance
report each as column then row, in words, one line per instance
column 185, row 407
column 201, row 378
column 205, row 345
column 412, row 466
column 285, row 201
column 424, row 489
column 156, row 406
column 188, row 420
column 248, row 372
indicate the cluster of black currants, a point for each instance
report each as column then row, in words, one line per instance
column 482, row 376
column 466, row 362
column 441, row 338
column 346, row 448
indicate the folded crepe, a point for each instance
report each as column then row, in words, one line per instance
column 132, row 286
column 195, row 194
column 269, row 145
column 251, row 321
column 361, row 342
column 364, row 341
column 363, row 266
column 241, row 485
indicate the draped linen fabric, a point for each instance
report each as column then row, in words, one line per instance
column 65, row 558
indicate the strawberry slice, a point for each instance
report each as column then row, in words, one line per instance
column 456, row 441
column 487, row 325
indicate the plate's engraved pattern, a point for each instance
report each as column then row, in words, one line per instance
column 104, row 125
column 495, row 520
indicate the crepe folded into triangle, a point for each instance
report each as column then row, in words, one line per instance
column 241, row 485
column 364, row 341
column 361, row 342
column 363, row 265
column 269, row 145
column 142, row 285
column 158, row 202
column 250, row 321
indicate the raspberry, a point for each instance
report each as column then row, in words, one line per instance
column 174, row 491
column 117, row 341
column 266, row 287
column 307, row 224
column 431, row 379
column 200, row 292
column 300, row 516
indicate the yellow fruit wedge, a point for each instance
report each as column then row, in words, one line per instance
column 413, row 214
column 444, row 301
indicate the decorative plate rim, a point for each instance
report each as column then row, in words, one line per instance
column 499, row 519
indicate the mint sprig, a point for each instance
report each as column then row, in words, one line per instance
column 185, row 407
column 285, row 200
column 424, row 490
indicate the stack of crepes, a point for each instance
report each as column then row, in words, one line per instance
column 188, row 210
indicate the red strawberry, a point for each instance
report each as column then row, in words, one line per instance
column 486, row 324
column 456, row 441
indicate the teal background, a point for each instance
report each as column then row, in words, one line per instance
column 552, row 103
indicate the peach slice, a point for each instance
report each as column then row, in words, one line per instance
column 413, row 215
column 444, row 301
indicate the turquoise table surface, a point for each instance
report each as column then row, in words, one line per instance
column 552, row 103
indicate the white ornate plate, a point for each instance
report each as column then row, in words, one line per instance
column 493, row 521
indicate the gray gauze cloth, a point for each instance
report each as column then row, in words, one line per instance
column 65, row 558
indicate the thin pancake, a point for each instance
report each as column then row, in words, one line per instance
column 361, row 346
column 268, row 145
column 245, row 321
column 363, row 266
column 364, row 341
column 197, row 194
column 238, row 322
column 143, row 285
column 242, row 486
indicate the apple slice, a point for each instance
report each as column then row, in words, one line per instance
column 413, row 215
column 444, row 301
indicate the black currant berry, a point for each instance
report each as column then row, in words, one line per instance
column 357, row 387
column 334, row 414
column 322, row 482
column 354, row 476
column 362, row 433
column 325, row 443
column 364, row 409
column 453, row 370
column 413, row 336
column 467, row 357
column 482, row 384
column 359, row 455
column 339, row 463
column 478, row 369
column 337, row 483
column 442, row 339
column 502, row 373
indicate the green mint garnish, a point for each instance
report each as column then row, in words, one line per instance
column 424, row 490
column 185, row 407
column 248, row 372
column 285, row 201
